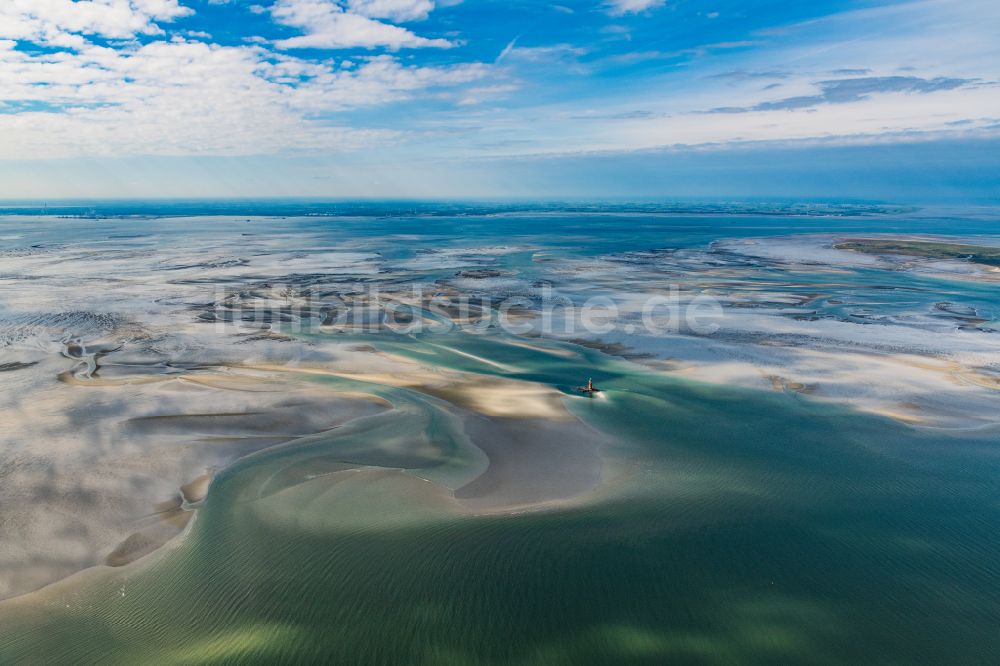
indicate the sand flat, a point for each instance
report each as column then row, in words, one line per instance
column 105, row 457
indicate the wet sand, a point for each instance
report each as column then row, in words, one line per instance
column 113, row 470
column 537, row 451
column 334, row 489
column 533, row 463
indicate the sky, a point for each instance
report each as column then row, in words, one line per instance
column 481, row 98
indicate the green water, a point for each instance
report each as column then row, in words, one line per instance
column 745, row 528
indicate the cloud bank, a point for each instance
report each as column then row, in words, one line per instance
column 421, row 81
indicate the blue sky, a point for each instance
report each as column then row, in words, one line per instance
column 450, row 98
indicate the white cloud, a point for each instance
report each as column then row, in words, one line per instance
column 619, row 7
column 179, row 96
column 478, row 95
column 844, row 78
column 63, row 23
column 548, row 54
column 183, row 97
column 394, row 10
column 327, row 25
column 563, row 57
column 888, row 116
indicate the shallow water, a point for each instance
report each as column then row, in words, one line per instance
column 730, row 523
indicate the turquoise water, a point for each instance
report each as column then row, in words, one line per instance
column 735, row 525
column 752, row 529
